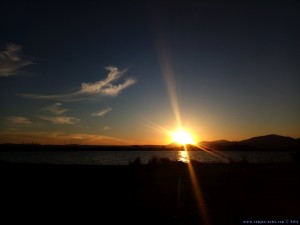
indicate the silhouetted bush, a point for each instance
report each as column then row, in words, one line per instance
column 164, row 161
column 136, row 162
column 153, row 161
column 159, row 161
column 241, row 161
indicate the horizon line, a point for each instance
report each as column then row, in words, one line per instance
column 132, row 145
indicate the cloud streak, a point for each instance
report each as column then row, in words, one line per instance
column 60, row 119
column 105, row 128
column 55, row 109
column 102, row 112
column 19, row 120
column 104, row 87
column 60, row 138
column 11, row 61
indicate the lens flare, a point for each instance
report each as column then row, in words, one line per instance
column 182, row 137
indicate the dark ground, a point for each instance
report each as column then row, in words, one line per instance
column 148, row 194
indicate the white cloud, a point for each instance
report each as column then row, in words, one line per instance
column 55, row 109
column 19, row 120
column 102, row 112
column 96, row 87
column 104, row 87
column 114, row 90
column 11, row 61
column 60, row 119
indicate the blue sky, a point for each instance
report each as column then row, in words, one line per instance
column 124, row 72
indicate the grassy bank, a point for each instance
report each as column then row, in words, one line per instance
column 160, row 192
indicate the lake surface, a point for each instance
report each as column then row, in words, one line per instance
column 126, row 157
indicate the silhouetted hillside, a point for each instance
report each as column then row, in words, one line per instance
column 267, row 142
column 271, row 141
column 217, row 145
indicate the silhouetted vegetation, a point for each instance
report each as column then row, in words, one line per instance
column 158, row 192
column 136, row 162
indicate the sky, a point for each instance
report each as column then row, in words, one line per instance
column 130, row 72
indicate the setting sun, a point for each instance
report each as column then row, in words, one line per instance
column 182, row 137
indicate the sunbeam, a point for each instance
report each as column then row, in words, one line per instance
column 181, row 136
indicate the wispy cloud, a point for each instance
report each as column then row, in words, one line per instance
column 102, row 112
column 19, row 120
column 55, row 109
column 60, row 119
column 60, row 138
column 11, row 61
column 106, row 128
column 104, row 87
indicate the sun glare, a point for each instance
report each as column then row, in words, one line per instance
column 182, row 137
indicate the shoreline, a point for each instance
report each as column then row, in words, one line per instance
column 75, row 148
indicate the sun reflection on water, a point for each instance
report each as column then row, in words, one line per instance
column 183, row 156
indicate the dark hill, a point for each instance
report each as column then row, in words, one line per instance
column 267, row 142
column 271, row 141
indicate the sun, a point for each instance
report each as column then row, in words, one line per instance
column 182, row 137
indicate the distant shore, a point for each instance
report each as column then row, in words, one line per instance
column 38, row 147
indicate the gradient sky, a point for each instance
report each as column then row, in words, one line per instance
column 124, row 72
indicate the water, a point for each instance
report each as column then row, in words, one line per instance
column 125, row 157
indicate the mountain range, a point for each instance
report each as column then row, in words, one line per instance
column 267, row 142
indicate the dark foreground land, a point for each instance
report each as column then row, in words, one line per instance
column 160, row 193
